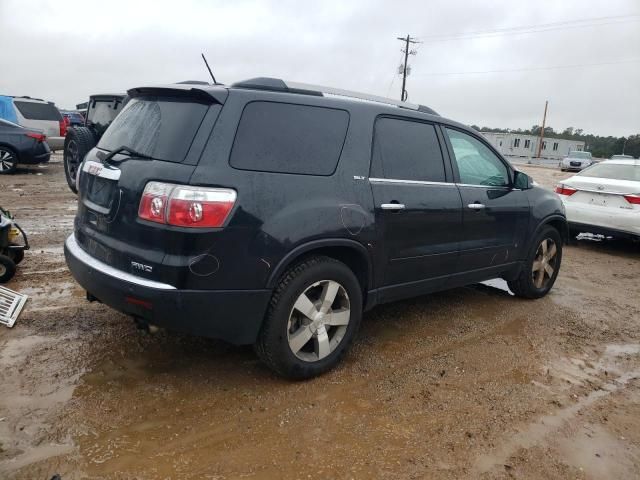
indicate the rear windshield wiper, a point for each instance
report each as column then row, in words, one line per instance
column 125, row 149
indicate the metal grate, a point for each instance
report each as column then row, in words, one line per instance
column 11, row 304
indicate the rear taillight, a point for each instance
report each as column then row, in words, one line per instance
column 63, row 128
column 186, row 206
column 633, row 198
column 565, row 190
column 38, row 136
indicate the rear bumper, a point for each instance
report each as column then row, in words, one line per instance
column 35, row 159
column 605, row 220
column 55, row 143
column 231, row 315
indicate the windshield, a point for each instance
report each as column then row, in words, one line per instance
column 613, row 171
column 580, row 155
column 158, row 127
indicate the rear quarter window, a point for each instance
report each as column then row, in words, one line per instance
column 289, row 138
column 38, row 111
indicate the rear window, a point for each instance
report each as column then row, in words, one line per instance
column 159, row 127
column 38, row 111
column 288, row 138
column 613, row 171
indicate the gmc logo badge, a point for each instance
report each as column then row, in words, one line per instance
column 141, row 267
column 94, row 169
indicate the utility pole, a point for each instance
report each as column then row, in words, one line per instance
column 624, row 145
column 404, row 68
column 544, row 121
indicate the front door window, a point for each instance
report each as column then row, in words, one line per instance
column 477, row 164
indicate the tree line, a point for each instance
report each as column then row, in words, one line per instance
column 602, row 147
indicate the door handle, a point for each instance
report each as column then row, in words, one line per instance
column 392, row 206
column 476, row 206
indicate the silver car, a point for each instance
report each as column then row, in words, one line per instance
column 576, row 161
column 41, row 115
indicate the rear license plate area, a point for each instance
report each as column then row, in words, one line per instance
column 101, row 186
column 598, row 199
column 100, row 191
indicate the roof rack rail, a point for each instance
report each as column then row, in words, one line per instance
column 278, row 85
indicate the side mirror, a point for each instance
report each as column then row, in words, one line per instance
column 522, row 181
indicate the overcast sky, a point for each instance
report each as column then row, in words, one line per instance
column 64, row 51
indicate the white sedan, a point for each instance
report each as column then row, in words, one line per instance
column 604, row 199
column 576, row 161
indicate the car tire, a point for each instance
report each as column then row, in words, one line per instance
column 545, row 254
column 77, row 143
column 17, row 255
column 7, row 269
column 8, row 160
column 290, row 342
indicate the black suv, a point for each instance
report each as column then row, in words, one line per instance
column 274, row 214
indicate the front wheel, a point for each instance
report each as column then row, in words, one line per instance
column 8, row 160
column 312, row 319
column 541, row 266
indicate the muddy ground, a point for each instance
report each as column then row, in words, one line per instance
column 470, row 383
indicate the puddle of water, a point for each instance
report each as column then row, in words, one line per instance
column 47, row 295
column 16, row 348
column 597, row 452
column 577, row 372
column 36, row 454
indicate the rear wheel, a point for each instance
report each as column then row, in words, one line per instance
column 8, row 160
column 77, row 143
column 541, row 267
column 7, row 269
column 312, row 319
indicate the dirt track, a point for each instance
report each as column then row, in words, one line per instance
column 470, row 383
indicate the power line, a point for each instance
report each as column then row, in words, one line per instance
column 550, row 67
column 544, row 27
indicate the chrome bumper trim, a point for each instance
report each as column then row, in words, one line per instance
column 74, row 249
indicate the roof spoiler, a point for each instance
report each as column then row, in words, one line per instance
column 185, row 90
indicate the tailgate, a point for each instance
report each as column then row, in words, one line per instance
column 165, row 134
column 107, row 224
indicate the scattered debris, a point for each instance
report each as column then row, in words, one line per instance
column 11, row 304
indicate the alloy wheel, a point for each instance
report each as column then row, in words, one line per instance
column 7, row 160
column 3, row 270
column 544, row 263
column 318, row 320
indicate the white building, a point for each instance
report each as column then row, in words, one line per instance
column 520, row 145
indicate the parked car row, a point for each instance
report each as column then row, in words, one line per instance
column 22, row 145
column 38, row 118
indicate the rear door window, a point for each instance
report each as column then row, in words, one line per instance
column 159, row 127
column 406, row 150
column 38, row 111
column 288, row 138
